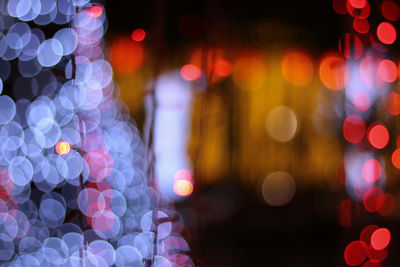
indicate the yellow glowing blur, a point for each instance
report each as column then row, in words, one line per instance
column 63, row 148
column 297, row 68
column 281, row 124
column 333, row 72
column 278, row 188
column 183, row 188
column 249, row 72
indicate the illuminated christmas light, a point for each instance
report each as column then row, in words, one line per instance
column 63, row 148
column 223, row 68
column 183, row 188
column 333, row 72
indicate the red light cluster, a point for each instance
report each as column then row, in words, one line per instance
column 372, row 245
column 376, row 73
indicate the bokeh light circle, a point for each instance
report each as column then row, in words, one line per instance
column 50, row 52
column 378, row 135
column 355, row 253
column 281, row 124
column 297, row 68
column 386, row 33
column 278, row 188
column 380, row 238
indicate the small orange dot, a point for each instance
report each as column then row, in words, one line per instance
column 183, row 188
column 63, row 148
column 223, row 68
column 396, row 158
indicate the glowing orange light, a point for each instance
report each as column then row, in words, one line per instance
column 250, row 71
column 387, row 70
column 378, row 135
column 358, row 3
column 213, row 62
column 355, row 253
column 63, row 148
column 361, row 101
column 138, row 35
column 223, row 68
column 333, row 72
column 297, row 68
column 390, row 10
column 396, row 158
column 371, row 170
column 95, row 11
column 386, row 33
column 126, row 56
column 190, row 72
column 393, row 104
column 380, row 239
column 361, row 25
column 206, row 59
column 183, row 188
column 353, row 129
